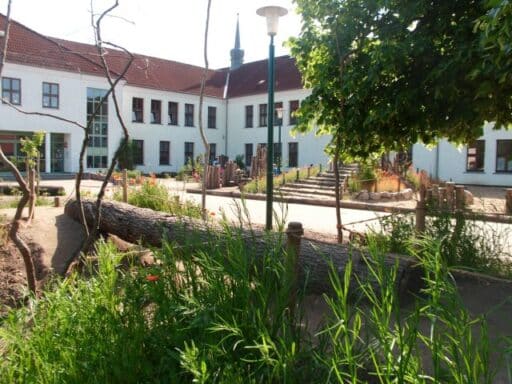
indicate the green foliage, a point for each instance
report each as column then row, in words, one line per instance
column 239, row 160
column 31, row 146
column 220, row 315
column 125, row 155
column 463, row 243
column 156, row 197
column 385, row 75
column 191, row 169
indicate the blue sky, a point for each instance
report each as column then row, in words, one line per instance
column 171, row 29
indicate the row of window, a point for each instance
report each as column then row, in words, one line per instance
column 293, row 153
column 278, row 114
column 165, row 152
column 475, row 161
column 11, row 92
column 172, row 113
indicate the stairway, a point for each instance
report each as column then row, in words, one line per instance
column 317, row 187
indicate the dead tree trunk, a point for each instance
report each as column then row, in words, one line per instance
column 136, row 225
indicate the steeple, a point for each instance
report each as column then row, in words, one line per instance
column 237, row 54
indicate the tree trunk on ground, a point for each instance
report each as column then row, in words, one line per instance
column 135, row 224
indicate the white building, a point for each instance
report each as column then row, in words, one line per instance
column 159, row 101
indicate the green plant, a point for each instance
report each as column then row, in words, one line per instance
column 125, row 157
column 156, row 197
column 239, row 160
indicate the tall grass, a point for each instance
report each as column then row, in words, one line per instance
column 157, row 197
column 259, row 185
column 218, row 313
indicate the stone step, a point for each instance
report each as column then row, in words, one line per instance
column 308, row 191
column 323, row 183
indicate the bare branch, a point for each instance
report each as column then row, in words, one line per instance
column 206, row 155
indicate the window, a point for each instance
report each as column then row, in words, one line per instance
column 278, row 154
column 11, row 90
column 263, row 115
column 277, row 120
column 213, row 153
column 475, row 156
column 504, row 156
column 293, row 154
column 137, row 110
column 248, row 154
column 212, row 117
column 165, row 152
column 189, row 115
column 189, row 152
column 97, row 105
column 138, row 152
column 156, row 112
column 294, row 105
column 50, row 95
column 172, row 111
column 248, row 116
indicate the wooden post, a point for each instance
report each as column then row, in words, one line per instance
column 460, row 198
column 450, row 195
column 442, row 198
column 435, row 196
column 56, row 201
column 297, row 176
column 309, row 171
column 125, row 185
column 508, row 201
column 421, row 210
column 284, row 179
column 294, row 232
column 319, row 168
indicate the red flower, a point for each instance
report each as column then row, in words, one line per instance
column 152, row 277
column 212, row 213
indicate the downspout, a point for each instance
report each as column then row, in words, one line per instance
column 226, row 87
column 437, row 161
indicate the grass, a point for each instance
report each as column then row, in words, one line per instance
column 219, row 313
column 156, row 196
column 13, row 203
column 466, row 244
column 259, row 185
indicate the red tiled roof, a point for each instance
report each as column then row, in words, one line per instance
column 251, row 78
column 31, row 48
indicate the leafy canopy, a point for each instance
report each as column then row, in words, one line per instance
column 385, row 74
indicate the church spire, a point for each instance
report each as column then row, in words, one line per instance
column 237, row 54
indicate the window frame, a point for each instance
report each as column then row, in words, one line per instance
column 248, row 159
column 11, row 91
column 136, row 143
column 278, row 121
column 249, row 116
column 507, row 165
column 294, row 106
column 475, row 144
column 189, row 115
column 51, row 95
column 212, row 117
column 293, row 144
column 172, row 117
column 156, row 113
column 136, row 110
column 189, row 144
column 167, row 152
column 263, row 115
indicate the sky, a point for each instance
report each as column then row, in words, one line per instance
column 169, row 29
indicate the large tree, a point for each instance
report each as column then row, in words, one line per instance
column 385, row 74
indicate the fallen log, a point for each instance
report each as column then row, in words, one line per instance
column 141, row 225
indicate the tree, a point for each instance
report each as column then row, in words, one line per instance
column 386, row 74
column 206, row 156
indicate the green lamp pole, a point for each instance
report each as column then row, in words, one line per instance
column 280, row 112
column 272, row 14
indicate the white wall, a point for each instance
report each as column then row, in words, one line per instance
column 311, row 147
column 152, row 134
column 72, row 106
column 452, row 160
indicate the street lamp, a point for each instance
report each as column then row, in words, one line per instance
column 272, row 14
column 279, row 113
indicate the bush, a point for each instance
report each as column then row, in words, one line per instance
column 156, row 197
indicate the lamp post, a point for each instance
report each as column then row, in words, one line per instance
column 279, row 113
column 272, row 14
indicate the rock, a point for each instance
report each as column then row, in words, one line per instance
column 363, row 195
column 374, row 196
column 385, row 195
column 468, row 197
column 406, row 194
column 394, row 196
